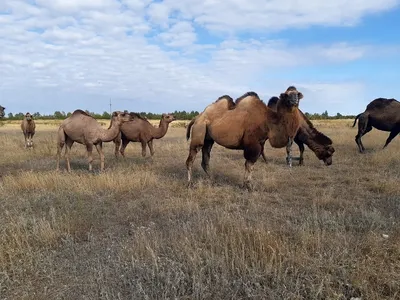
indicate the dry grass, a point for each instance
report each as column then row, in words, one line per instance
column 136, row 232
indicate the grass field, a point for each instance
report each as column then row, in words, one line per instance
column 136, row 232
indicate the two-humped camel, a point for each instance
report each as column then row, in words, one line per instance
column 2, row 112
column 82, row 128
column 28, row 127
column 141, row 130
column 244, row 125
column 307, row 134
column 381, row 113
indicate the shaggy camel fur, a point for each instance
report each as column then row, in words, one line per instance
column 141, row 130
column 2, row 112
column 318, row 142
column 381, row 113
column 28, row 127
column 244, row 125
column 82, row 128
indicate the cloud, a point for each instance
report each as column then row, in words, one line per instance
column 174, row 54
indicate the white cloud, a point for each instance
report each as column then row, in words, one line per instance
column 153, row 51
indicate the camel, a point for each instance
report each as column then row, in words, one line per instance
column 28, row 127
column 141, row 130
column 244, row 125
column 2, row 112
column 318, row 142
column 381, row 113
column 82, row 128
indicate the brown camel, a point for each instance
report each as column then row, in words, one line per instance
column 244, row 125
column 381, row 113
column 28, row 127
column 82, row 128
column 141, row 130
column 2, row 112
column 318, row 142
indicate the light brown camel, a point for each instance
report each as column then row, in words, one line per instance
column 82, row 128
column 28, row 127
column 381, row 113
column 141, row 130
column 318, row 142
column 246, row 126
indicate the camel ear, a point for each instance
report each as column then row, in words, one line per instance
column 114, row 114
column 300, row 95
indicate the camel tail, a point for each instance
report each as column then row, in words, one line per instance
column 188, row 128
column 355, row 120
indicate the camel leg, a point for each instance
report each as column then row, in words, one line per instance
column 117, row 145
column 143, row 148
column 68, row 146
column 32, row 134
column 301, row 148
column 99, row 148
column 60, row 146
column 363, row 128
column 289, row 152
column 251, row 154
column 89, row 149
column 263, row 154
column 26, row 141
column 392, row 135
column 190, row 160
column 151, row 148
column 206, row 154
column 123, row 146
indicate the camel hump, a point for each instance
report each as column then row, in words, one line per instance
column 381, row 103
column 246, row 95
column 272, row 102
column 81, row 112
column 138, row 116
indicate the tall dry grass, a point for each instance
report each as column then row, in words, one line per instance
column 136, row 232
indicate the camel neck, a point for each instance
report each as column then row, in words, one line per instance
column 107, row 135
column 159, row 132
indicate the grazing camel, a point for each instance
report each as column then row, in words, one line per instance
column 82, row 128
column 28, row 127
column 141, row 130
column 244, row 125
column 381, row 113
column 2, row 112
column 318, row 142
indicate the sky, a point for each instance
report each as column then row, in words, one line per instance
column 162, row 56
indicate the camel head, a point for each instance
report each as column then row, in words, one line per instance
column 2, row 113
column 28, row 117
column 325, row 154
column 168, row 118
column 119, row 117
column 291, row 97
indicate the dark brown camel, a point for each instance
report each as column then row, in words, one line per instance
column 244, row 125
column 318, row 142
column 381, row 113
column 141, row 130
column 2, row 112
column 28, row 128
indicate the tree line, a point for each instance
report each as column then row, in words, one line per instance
column 180, row 115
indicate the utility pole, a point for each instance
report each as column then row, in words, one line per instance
column 110, row 107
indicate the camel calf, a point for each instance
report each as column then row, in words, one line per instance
column 28, row 128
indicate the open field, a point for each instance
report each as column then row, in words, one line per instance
column 136, row 232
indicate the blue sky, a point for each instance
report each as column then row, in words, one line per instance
column 162, row 56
